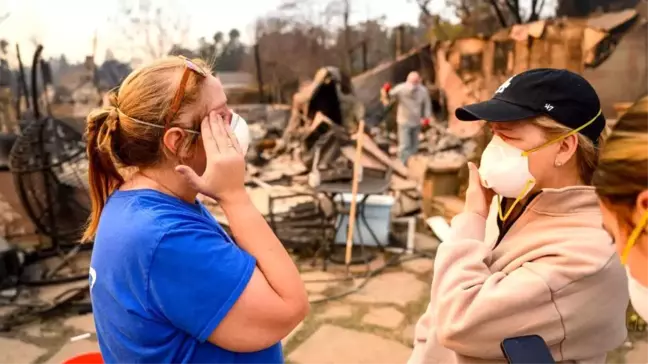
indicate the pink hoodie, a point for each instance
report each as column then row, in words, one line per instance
column 554, row 274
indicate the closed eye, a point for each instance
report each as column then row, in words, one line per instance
column 505, row 136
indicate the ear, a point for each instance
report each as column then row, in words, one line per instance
column 172, row 139
column 641, row 205
column 567, row 149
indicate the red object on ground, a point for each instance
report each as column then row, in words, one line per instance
column 87, row 358
column 387, row 86
column 426, row 122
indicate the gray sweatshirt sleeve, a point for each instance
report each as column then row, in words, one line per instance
column 396, row 90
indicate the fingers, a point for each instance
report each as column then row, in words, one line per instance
column 218, row 136
column 218, row 131
column 191, row 177
column 473, row 173
column 474, row 179
column 230, row 133
column 225, row 133
column 209, row 141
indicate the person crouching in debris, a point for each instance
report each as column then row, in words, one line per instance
column 621, row 181
column 168, row 285
column 414, row 109
column 537, row 260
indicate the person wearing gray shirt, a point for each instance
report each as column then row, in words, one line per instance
column 414, row 106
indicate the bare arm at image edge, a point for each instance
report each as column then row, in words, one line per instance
column 274, row 301
column 476, row 308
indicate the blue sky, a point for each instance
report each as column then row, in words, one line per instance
column 68, row 26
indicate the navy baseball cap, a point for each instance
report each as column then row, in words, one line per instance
column 562, row 95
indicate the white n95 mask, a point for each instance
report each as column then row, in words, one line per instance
column 241, row 130
column 505, row 169
column 638, row 296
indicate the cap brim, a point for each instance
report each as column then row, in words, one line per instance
column 494, row 110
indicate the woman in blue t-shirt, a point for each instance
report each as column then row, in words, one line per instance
column 168, row 285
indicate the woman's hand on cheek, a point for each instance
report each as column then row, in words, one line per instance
column 224, row 175
column 478, row 198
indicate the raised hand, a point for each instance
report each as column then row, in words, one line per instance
column 478, row 198
column 224, row 175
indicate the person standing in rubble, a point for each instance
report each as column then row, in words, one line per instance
column 621, row 181
column 167, row 283
column 351, row 109
column 528, row 255
column 414, row 109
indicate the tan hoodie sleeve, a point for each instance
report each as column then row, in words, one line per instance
column 475, row 309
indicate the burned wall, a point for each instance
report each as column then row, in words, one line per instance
column 473, row 68
column 622, row 76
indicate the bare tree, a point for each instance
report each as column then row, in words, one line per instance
column 430, row 20
column 500, row 14
column 487, row 16
column 152, row 29
column 304, row 35
column 332, row 15
column 480, row 16
column 518, row 12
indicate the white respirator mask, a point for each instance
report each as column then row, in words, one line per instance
column 638, row 296
column 241, row 130
column 505, row 170
column 638, row 292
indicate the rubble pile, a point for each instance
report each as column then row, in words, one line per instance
column 327, row 149
column 445, row 148
column 302, row 147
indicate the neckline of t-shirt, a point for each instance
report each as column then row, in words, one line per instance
column 153, row 192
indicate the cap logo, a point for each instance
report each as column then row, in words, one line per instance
column 504, row 86
column 548, row 107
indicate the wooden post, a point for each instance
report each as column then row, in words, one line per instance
column 257, row 62
column 354, row 193
column 400, row 37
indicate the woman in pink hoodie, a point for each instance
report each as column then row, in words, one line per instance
column 528, row 255
column 621, row 181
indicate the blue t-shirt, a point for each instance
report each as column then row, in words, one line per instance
column 163, row 275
